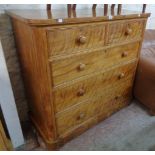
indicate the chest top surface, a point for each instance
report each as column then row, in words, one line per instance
column 63, row 16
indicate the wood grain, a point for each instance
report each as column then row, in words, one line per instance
column 118, row 31
column 63, row 40
column 33, row 55
column 67, row 68
column 72, row 117
column 79, row 129
column 68, row 95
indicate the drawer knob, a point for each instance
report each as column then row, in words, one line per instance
column 121, row 76
column 81, row 116
column 128, row 31
column 82, row 39
column 81, row 66
column 81, row 92
column 125, row 54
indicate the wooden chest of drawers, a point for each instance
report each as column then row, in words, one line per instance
column 77, row 71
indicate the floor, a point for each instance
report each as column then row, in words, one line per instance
column 132, row 128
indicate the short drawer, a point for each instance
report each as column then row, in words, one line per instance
column 108, row 103
column 70, row 68
column 72, row 39
column 91, row 86
column 125, row 31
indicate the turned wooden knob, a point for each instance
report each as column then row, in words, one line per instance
column 125, row 54
column 121, row 76
column 81, row 92
column 81, row 116
column 82, row 39
column 128, row 31
column 81, row 66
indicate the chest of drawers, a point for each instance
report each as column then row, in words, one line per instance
column 77, row 70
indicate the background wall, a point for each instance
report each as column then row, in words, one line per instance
column 8, row 44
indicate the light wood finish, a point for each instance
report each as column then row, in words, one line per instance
column 78, row 66
column 71, row 67
column 88, row 87
column 5, row 144
column 74, row 116
column 71, row 39
column 125, row 31
column 31, row 60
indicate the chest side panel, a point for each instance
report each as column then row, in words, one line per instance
column 31, row 45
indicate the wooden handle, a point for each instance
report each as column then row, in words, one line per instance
column 121, row 76
column 128, row 31
column 81, row 66
column 82, row 39
column 125, row 54
column 81, row 116
column 81, row 92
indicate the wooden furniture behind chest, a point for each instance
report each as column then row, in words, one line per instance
column 78, row 66
column 5, row 143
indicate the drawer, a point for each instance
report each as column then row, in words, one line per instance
column 70, row 68
column 71, row 39
column 75, row 92
column 125, row 31
column 110, row 101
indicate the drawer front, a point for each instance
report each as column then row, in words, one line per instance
column 70, row 68
column 125, row 31
column 68, row 95
column 108, row 103
column 72, row 39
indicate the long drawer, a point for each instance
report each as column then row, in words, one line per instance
column 71, row 39
column 70, row 68
column 111, row 100
column 125, row 31
column 75, row 92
